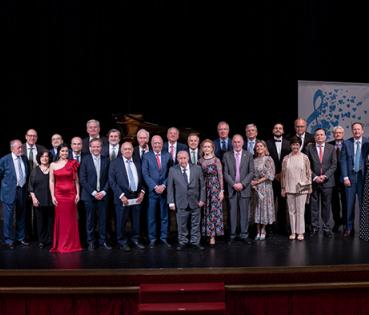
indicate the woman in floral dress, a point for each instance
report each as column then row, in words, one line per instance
column 212, row 223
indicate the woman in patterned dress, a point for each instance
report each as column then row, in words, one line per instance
column 212, row 223
column 262, row 209
column 364, row 213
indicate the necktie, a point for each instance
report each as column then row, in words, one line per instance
column 357, row 157
column 223, row 147
column 30, row 158
column 158, row 160
column 172, row 152
column 320, row 153
column 142, row 153
column 21, row 178
column 251, row 147
column 238, row 160
column 338, row 151
column 276, row 140
column 97, row 166
column 185, row 175
column 321, row 158
column 131, row 178
column 113, row 154
column 193, row 157
column 78, row 158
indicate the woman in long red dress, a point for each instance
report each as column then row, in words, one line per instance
column 64, row 189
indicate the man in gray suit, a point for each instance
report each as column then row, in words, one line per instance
column 323, row 162
column 238, row 173
column 186, row 194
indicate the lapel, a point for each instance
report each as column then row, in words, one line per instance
column 243, row 160
column 274, row 151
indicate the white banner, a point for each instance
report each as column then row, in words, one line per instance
column 329, row 104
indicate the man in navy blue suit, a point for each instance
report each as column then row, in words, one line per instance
column 352, row 159
column 14, row 171
column 223, row 143
column 172, row 146
column 125, row 179
column 155, row 167
column 93, row 177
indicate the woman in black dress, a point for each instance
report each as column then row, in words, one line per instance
column 364, row 211
column 41, row 199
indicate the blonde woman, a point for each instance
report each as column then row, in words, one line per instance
column 212, row 223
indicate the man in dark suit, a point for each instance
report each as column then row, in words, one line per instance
column 278, row 148
column 93, row 177
column 223, row 143
column 56, row 141
column 14, row 172
column 30, row 149
column 238, row 173
column 186, row 195
column 93, row 130
column 112, row 148
column 155, row 167
column 352, row 160
column 306, row 138
column 339, row 206
column 143, row 138
column 126, row 181
column 323, row 163
column 172, row 146
column 193, row 141
column 251, row 132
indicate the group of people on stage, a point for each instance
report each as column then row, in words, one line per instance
column 66, row 194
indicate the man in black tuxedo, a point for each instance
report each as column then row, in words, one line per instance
column 339, row 207
column 278, row 148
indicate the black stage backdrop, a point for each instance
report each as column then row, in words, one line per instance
column 177, row 62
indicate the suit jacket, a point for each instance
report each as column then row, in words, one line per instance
column 88, row 177
column 86, row 144
column 184, row 194
column 337, row 173
column 180, row 147
column 136, row 153
column 285, row 150
column 218, row 151
column 150, row 172
column 328, row 165
column 198, row 155
column 8, row 178
column 246, row 145
column 105, row 151
column 118, row 179
column 309, row 138
column 39, row 148
column 347, row 157
column 247, row 172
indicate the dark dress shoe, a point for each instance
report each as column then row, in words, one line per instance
column 336, row 228
column 41, row 245
column 180, row 247
column 9, row 246
column 328, row 234
column 138, row 244
column 313, row 233
column 152, row 244
column 348, row 233
column 246, row 241
column 23, row 243
column 166, row 243
column 106, row 246
column 231, row 241
column 198, row 246
column 125, row 247
column 91, row 246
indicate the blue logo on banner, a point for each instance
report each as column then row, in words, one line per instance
column 333, row 108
